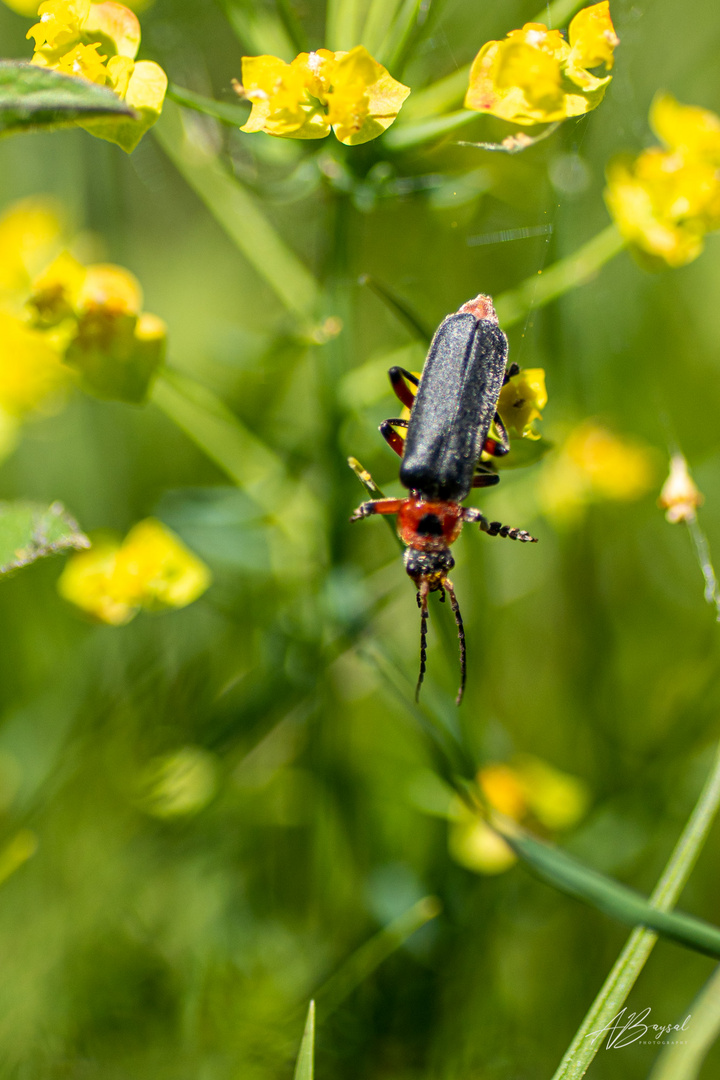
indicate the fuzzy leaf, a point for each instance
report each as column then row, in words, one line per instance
column 29, row 531
column 33, row 97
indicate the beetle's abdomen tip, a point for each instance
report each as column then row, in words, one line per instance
column 481, row 307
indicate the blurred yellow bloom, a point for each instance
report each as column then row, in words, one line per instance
column 68, row 38
column 534, row 76
column 522, row 399
column 30, row 232
column 346, row 92
column 679, row 496
column 150, row 569
column 528, row 791
column 666, row 200
column 594, row 465
column 31, row 368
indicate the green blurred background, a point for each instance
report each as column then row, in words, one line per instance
column 155, row 937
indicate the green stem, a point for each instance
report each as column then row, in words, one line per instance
column 235, row 115
column 404, row 136
column 631, row 961
column 561, row 277
column 239, row 215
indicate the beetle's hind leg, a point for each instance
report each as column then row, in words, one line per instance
column 496, row 528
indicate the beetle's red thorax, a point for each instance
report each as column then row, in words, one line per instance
column 428, row 525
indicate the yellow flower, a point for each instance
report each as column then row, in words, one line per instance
column 522, row 399
column 31, row 368
column 346, row 92
column 30, row 231
column 679, row 496
column 528, row 791
column 535, row 77
column 666, row 200
column 150, row 569
column 68, row 38
column 594, row 465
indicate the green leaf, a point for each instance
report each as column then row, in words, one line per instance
column 29, row 531
column 574, row 878
column 33, row 97
column 305, row 1067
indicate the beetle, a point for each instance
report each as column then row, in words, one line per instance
column 444, row 448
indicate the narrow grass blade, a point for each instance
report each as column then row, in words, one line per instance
column 342, row 24
column 379, row 19
column 373, row 953
column 683, row 1059
column 564, row 275
column 258, row 29
column 574, row 878
column 241, row 217
column 305, row 1066
column 395, row 45
column 399, row 307
column 641, row 942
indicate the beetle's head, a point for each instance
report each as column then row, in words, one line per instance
column 431, row 567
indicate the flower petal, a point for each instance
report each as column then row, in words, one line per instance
column 117, row 25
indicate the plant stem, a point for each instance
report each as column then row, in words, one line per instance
column 235, row 115
column 561, row 277
column 640, row 944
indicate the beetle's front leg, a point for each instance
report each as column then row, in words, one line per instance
column 496, row 528
column 376, row 506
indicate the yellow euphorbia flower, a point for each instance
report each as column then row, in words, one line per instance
column 30, row 232
column 150, row 569
column 594, row 465
column 346, row 92
column 68, row 38
column 522, row 399
column 31, row 368
column 534, row 76
column 666, row 200
column 527, row 791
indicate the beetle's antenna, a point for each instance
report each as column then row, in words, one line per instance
column 461, row 638
column 422, row 599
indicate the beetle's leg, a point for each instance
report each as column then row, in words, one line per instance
column 498, row 447
column 399, row 379
column 461, row 638
column 513, row 369
column 496, row 528
column 377, row 506
column 392, row 437
column 484, row 477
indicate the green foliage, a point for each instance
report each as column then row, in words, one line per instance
column 30, row 531
column 32, row 98
column 238, row 807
